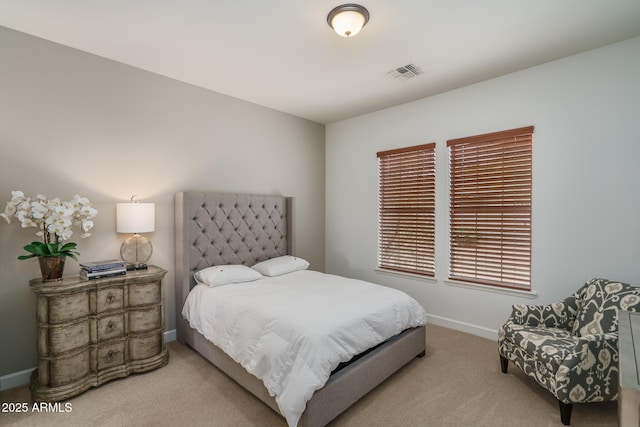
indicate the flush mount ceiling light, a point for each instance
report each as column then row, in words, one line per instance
column 348, row 19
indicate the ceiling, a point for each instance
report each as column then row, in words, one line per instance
column 282, row 54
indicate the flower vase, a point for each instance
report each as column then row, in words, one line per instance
column 51, row 268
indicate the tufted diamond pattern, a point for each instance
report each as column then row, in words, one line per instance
column 235, row 228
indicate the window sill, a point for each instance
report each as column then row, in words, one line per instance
column 406, row 275
column 459, row 284
column 494, row 289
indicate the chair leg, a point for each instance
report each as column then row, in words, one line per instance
column 565, row 412
column 504, row 364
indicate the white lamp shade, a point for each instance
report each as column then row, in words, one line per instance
column 135, row 217
column 348, row 23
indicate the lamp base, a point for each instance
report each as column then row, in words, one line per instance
column 136, row 251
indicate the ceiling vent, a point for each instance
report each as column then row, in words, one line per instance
column 405, row 72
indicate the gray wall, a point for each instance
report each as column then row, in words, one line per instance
column 586, row 202
column 71, row 122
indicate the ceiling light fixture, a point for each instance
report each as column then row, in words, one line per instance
column 348, row 19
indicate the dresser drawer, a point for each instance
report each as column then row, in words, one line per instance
column 145, row 293
column 68, row 369
column 109, row 327
column 69, row 307
column 65, row 338
column 110, row 355
column 143, row 347
column 109, row 299
column 145, row 319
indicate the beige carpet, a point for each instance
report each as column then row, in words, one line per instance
column 458, row 383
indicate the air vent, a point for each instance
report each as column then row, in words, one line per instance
column 405, row 72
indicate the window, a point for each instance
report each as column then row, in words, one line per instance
column 406, row 209
column 490, row 208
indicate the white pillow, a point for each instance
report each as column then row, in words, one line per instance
column 224, row 274
column 281, row 265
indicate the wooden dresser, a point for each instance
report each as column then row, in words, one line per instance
column 93, row 331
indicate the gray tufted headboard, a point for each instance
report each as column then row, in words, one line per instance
column 223, row 228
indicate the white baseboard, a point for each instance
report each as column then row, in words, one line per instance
column 16, row 379
column 170, row 336
column 463, row 327
column 23, row 377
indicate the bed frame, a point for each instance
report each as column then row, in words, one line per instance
column 221, row 228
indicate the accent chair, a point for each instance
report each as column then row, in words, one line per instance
column 570, row 347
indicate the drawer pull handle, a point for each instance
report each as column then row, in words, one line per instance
column 111, row 354
column 110, row 298
column 110, row 326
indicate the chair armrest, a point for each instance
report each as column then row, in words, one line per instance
column 560, row 314
column 590, row 371
column 593, row 352
column 591, row 339
column 599, row 351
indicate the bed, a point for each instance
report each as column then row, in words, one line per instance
column 214, row 229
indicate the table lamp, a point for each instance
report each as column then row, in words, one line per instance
column 136, row 217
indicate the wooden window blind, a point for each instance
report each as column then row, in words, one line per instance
column 490, row 208
column 406, row 209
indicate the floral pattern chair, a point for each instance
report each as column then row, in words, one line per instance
column 570, row 347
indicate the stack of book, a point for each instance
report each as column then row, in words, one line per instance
column 99, row 269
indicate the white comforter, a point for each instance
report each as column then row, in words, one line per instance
column 291, row 331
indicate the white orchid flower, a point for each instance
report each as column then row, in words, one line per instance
column 88, row 211
column 81, row 200
column 66, row 234
column 52, row 217
column 27, row 222
column 59, row 218
column 60, row 230
column 64, row 210
column 9, row 211
column 38, row 210
column 54, row 227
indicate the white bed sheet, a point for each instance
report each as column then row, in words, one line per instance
column 293, row 330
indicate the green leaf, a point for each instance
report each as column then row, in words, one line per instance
column 42, row 250
column 52, row 248
column 68, row 247
column 31, row 248
column 37, row 248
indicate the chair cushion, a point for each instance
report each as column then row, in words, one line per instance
column 601, row 301
column 549, row 346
